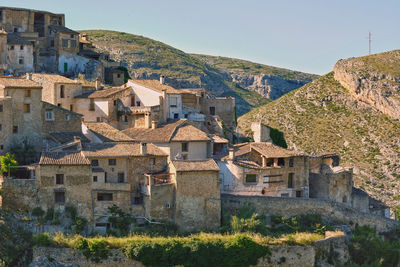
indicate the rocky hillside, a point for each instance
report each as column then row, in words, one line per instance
column 148, row 59
column 324, row 116
column 270, row 82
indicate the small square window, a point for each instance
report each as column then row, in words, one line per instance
column 66, row 117
column 71, row 107
column 104, row 196
column 12, row 47
column 1, row 147
column 176, row 116
column 112, row 162
column 49, row 115
column 251, row 178
column 27, row 93
column 27, row 108
column 59, row 178
column 115, row 102
column 21, row 61
column 290, row 163
column 138, row 103
column 15, row 129
column 59, row 197
column 95, row 162
column 94, row 178
column 21, row 47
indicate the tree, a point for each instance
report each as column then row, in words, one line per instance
column 15, row 243
column 24, row 153
column 6, row 162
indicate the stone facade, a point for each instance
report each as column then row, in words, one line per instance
column 57, row 119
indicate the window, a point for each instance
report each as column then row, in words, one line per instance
column 184, row 156
column 21, row 61
column 73, row 43
column 115, row 102
column 1, row 147
column 66, row 117
column 64, row 42
column 104, row 196
column 176, row 116
column 285, row 195
column 72, row 36
column 91, row 106
column 152, row 161
column 94, row 178
column 270, row 162
column 299, row 193
column 15, row 29
column 133, row 101
column 62, row 91
column 138, row 103
column 71, row 107
column 212, row 110
column 12, row 47
column 21, row 47
column 251, row 178
column 52, row 43
column 290, row 180
column 1, row 127
column 173, row 102
column 27, row 108
column 59, row 197
column 105, row 177
column 121, row 177
column 15, row 129
column 27, row 93
column 185, row 147
column 1, row 15
column 1, row 108
column 58, row 105
column 290, row 163
column 59, row 178
column 125, row 118
column 98, row 119
column 281, row 162
column 118, row 75
column 94, row 162
column 112, row 162
column 49, row 116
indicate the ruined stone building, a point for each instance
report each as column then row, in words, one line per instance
column 263, row 169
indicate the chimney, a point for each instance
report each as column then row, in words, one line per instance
column 153, row 124
column 231, row 154
column 78, row 139
column 98, row 84
column 162, row 79
column 84, row 37
column 29, row 76
column 143, row 148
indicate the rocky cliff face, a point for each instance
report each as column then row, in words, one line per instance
column 374, row 80
column 271, row 87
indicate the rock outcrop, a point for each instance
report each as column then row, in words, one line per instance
column 374, row 80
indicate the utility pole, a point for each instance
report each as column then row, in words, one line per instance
column 369, row 42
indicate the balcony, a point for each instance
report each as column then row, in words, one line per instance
column 152, row 181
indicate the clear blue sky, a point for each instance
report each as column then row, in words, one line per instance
column 307, row 35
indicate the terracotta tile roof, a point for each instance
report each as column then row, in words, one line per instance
column 106, row 132
column 177, row 131
column 63, row 29
column 155, row 85
column 18, row 83
column 195, row 165
column 67, row 137
column 15, row 38
column 54, row 78
column 269, row 150
column 103, row 93
column 189, row 133
column 119, row 150
column 63, row 158
column 218, row 139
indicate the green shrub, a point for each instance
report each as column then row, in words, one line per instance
column 7, row 161
column 71, row 212
column 251, row 225
column 79, row 225
column 95, row 251
column 49, row 214
column 366, row 248
column 238, row 251
column 119, row 220
column 43, row 240
column 278, row 138
column 38, row 212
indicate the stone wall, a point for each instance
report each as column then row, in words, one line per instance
column 64, row 120
column 297, row 206
column 19, row 194
column 281, row 255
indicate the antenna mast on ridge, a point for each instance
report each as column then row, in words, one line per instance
column 369, row 42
